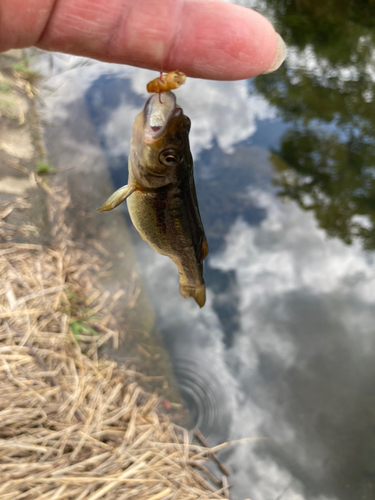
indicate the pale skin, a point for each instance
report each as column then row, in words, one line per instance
column 203, row 38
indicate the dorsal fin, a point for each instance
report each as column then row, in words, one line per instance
column 204, row 248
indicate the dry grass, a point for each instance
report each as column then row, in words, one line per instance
column 74, row 425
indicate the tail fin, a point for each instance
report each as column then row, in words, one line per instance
column 198, row 293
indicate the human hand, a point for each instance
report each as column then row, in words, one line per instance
column 203, row 38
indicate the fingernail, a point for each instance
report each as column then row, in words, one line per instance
column 280, row 55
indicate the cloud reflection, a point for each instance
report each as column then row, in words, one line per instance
column 299, row 365
column 301, row 295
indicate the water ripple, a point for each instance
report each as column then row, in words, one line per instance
column 207, row 397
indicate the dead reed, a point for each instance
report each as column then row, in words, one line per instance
column 74, row 425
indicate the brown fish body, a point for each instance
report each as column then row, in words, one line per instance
column 164, row 207
column 161, row 192
column 168, row 219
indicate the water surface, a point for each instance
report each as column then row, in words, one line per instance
column 285, row 177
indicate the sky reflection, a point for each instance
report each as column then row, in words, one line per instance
column 287, row 331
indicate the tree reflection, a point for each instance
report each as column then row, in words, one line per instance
column 326, row 159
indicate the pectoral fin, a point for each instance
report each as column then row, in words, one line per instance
column 117, row 197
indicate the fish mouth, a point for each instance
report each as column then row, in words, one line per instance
column 158, row 110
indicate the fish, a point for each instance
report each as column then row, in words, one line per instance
column 160, row 193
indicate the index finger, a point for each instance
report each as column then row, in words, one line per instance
column 202, row 38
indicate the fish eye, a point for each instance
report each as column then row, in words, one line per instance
column 169, row 158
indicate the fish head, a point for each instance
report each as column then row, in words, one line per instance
column 160, row 142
